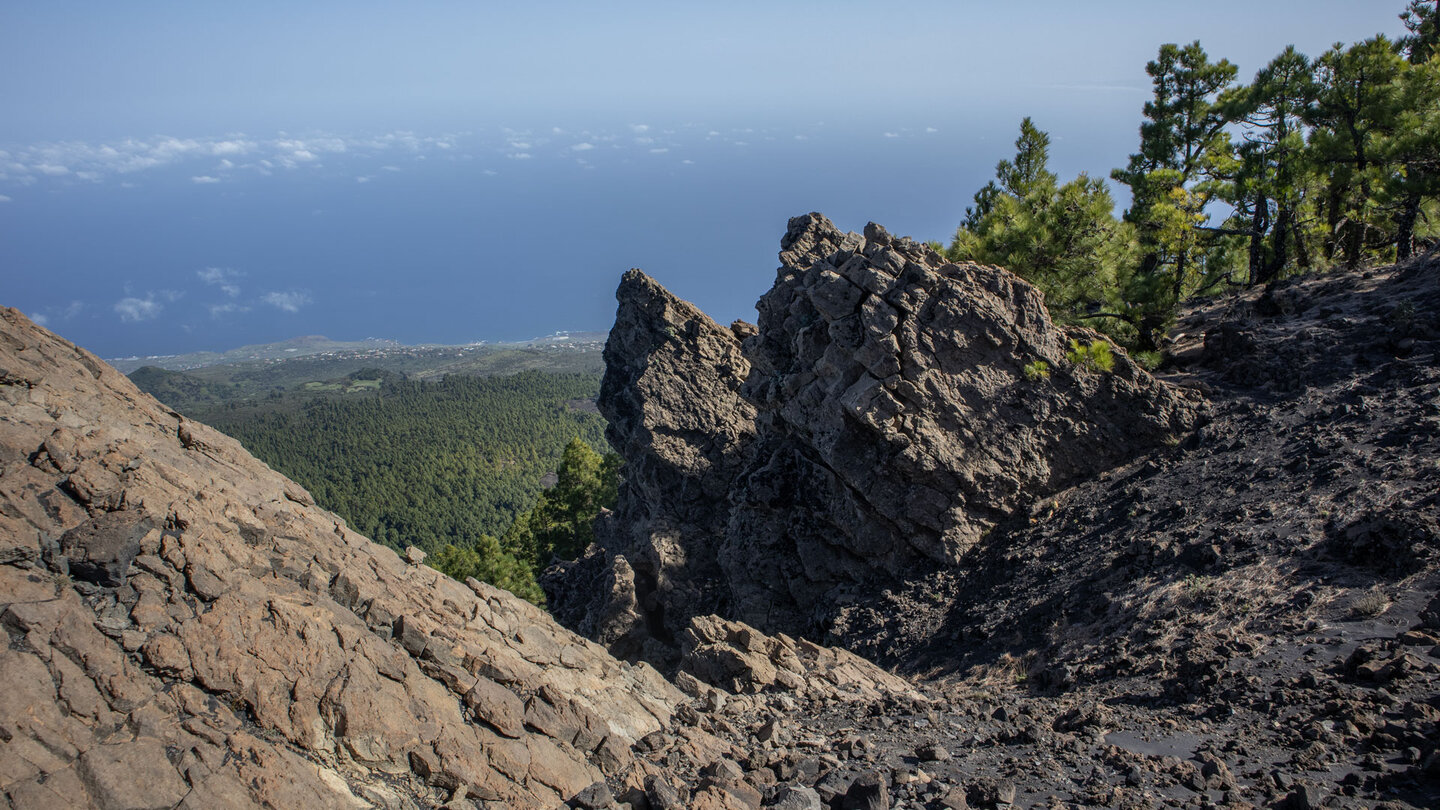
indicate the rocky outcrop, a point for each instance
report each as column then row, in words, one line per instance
column 740, row 659
column 890, row 409
column 185, row 628
column 671, row 397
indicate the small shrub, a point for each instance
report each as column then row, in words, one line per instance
column 1150, row 360
column 1037, row 370
column 1199, row 589
column 1369, row 604
column 1096, row 356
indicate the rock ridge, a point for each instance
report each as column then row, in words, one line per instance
column 888, row 410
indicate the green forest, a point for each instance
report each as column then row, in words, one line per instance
column 1315, row 163
column 446, row 466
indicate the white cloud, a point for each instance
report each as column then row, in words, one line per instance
column 584, row 146
column 94, row 162
column 660, row 151
column 365, row 178
column 639, row 128
column 134, row 310
column 931, row 129
column 519, row 145
column 218, row 310
column 892, row 134
column 389, row 168
column 489, row 172
column 519, row 156
column 231, row 147
column 290, row 301
column 205, row 179
column 4, row 199
column 221, row 277
column 688, row 162
column 39, row 319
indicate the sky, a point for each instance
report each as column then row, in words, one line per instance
column 178, row 176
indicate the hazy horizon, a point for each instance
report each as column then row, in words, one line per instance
column 175, row 179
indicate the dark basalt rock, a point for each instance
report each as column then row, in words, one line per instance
column 878, row 421
column 101, row 550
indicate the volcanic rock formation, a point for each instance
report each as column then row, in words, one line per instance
column 888, row 411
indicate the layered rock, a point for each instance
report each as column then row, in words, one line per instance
column 186, row 628
column 894, row 408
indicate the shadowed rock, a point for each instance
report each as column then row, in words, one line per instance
column 879, row 422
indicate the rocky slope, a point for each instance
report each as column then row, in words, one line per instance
column 186, row 627
column 1230, row 602
column 889, row 411
column 1241, row 607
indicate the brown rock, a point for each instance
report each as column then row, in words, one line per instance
column 366, row 680
column 132, row 776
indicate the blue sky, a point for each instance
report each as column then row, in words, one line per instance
column 176, row 176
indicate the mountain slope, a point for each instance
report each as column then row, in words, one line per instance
column 186, row 626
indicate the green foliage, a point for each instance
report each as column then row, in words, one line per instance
column 1269, row 189
column 1063, row 239
column 1037, row 370
column 1421, row 20
column 561, row 523
column 1096, row 356
column 1323, row 161
column 1173, row 178
column 1356, row 104
column 486, row 561
column 1150, row 360
column 424, row 463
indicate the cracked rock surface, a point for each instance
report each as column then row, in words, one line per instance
column 186, row 628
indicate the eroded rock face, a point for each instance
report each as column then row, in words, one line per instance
column 185, row 627
column 671, row 396
column 885, row 422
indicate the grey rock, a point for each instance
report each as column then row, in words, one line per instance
column 100, row 551
column 876, row 422
column 869, row 792
column 796, row 797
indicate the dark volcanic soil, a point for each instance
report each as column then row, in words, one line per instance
column 1249, row 618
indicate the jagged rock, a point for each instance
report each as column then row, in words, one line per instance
column 218, row 641
column 741, row 659
column 878, row 421
column 671, row 396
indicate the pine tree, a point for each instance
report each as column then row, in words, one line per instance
column 1271, row 177
column 1356, row 105
column 1173, row 178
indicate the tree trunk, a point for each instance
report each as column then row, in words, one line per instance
column 1405, row 222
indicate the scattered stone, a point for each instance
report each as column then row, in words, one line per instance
column 869, row 792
